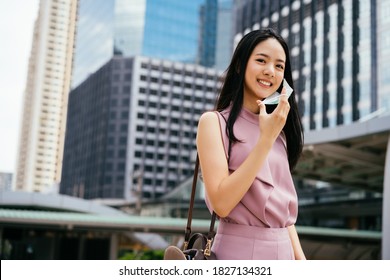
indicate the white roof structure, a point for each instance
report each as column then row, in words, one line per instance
column 356, row 156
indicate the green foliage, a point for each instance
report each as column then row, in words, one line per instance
column 143, row 255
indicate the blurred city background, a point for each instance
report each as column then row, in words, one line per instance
column 111, row 97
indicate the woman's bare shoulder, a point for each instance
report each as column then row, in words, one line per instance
column 208, row 124
column 209, row 117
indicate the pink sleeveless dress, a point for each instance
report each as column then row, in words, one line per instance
column 256, row 227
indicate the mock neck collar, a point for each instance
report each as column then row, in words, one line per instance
column 249, row 116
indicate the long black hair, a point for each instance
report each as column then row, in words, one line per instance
column 232, row 91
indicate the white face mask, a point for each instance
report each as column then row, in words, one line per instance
column 273, row 99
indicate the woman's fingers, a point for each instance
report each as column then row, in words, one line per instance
column 283, row 107
column 262, row 107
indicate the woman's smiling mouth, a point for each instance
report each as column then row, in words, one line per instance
column 265, row 83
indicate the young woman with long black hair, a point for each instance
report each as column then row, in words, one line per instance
column 247, row 150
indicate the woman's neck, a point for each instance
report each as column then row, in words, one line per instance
column 251, row 106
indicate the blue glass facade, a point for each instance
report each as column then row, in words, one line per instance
column 165, row 29
column 94, row 37
column 224, row 41
column 129, row 26
column 172, row 29
column 208, row 33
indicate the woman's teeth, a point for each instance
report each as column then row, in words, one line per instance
column 264, row 83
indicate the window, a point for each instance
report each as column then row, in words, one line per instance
column 128, row 77
column 123, row 140
column 121, row 166
column 125, row 115
column 123, row 127
column 126, row 89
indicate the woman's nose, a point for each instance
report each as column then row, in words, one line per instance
column 269, row 71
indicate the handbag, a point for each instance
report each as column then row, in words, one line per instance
column 197, row 246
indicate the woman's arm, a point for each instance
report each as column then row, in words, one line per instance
column 298, row 252
column 224, row 191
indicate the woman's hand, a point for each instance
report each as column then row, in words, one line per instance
column 272, row 124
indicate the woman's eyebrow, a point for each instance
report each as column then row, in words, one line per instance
column 267, row 56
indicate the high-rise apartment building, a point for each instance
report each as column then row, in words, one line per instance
column 165, row 29
column 339, row 51
column 45, row 98
column 131, row 128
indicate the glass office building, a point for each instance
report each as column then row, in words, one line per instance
column 94, row 37
column 166, row 29
column 224, row 45
column 338, row 50
column 208, row 33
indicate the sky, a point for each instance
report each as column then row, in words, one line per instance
column 17, row 19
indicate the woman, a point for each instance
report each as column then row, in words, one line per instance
column 247, row 150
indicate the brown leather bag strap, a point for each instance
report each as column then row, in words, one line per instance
column 211, row 232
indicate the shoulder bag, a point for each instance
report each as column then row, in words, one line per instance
column 197, row 246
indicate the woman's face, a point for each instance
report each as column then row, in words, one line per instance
column 264, row 71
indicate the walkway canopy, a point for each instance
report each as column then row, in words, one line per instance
column 356, row 156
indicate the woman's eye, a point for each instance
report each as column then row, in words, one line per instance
column 260, row 60
column 280, row 66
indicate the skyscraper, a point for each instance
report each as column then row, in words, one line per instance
column 225, row 29
column 46, row 96
column 165, row 29
column 208, row 33
column 339, row 51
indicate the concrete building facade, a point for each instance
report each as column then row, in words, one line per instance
column 131, row 128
